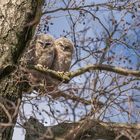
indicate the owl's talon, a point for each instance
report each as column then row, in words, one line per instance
column 45, row 67
column 39, row 65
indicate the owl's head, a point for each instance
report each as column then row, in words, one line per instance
column 44, row 41
column 64, row 45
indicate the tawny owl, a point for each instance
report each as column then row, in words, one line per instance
column 62, row 59
column 41, row 53
column 63, row 54
column 44, row 50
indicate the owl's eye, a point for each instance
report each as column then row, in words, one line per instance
column 40, row 42
column 67, row 48
column 47, row 43
column 62, row 45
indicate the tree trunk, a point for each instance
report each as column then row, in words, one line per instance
column 15, row 35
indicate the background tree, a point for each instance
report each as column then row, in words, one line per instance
column 104, row 89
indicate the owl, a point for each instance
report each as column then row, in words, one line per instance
column 41, row 53
column 62, row 60
column 63, row 54
column 44, row 50
column 53, row 54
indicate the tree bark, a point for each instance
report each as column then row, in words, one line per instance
column 89, row 129
column 16, row 32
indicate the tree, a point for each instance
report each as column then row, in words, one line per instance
column 103, row 84
column 16, row 34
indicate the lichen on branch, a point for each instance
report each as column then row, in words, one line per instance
column 67, row 76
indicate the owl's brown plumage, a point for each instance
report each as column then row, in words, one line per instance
column 41, row 53
column 44, row 50
column 62, row 59
column 54, row 54
column 63, row 54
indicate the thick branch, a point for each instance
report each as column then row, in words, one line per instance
column 67, row 76
column 118, row 70
column 86, row 129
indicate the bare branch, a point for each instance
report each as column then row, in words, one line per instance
column 67, row 76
